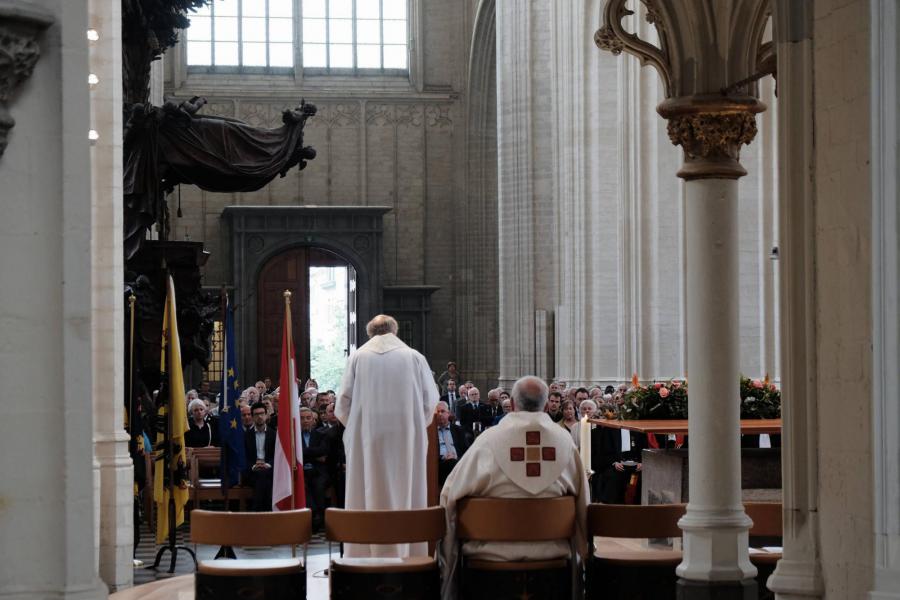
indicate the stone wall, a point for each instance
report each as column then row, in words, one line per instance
column 380, row 141
column 843, row 281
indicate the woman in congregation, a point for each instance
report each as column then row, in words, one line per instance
column 201, row 431
column 570, row 420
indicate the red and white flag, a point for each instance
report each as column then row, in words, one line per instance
column 287, row 479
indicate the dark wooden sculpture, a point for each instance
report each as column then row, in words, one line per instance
column 173, row 144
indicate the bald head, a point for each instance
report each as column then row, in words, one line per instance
column 530, row 394
column 381, row 325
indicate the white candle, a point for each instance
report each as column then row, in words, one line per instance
column 585, row 444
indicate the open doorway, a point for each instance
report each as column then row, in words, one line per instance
column 332, row 322
column 323, row 312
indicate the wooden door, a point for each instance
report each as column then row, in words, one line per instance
column 287, row 271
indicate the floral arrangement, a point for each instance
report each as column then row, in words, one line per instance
column 760, row 399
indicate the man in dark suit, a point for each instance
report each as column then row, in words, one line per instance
column 315, row 469
column 452, row 400
column 336, row 461
column 259, row 445
column 452, row 443
column 475, row 416
column 615, row 459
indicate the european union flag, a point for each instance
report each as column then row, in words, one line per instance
column 231, row 431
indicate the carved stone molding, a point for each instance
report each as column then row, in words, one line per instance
column 710, row 56
column 20, row 26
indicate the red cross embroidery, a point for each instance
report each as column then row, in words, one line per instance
column 532, row 454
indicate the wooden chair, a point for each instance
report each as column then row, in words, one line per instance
column 617, row 572
column 412, row 578
column 767, row 524
column 230, row 579
column 202, row 461
column 516, row 520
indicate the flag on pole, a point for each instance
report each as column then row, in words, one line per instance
column 287, row 479
column 170, row 399
column 231, row 431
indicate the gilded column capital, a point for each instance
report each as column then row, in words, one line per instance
column 20, row 26
column 711, row 132
column 709, row 57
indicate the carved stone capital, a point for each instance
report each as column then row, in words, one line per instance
column 709, row 57
column 711, row 132
column 20, row 26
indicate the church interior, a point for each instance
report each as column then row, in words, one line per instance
column 594, row 192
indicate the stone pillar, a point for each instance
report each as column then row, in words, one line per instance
column 707, row 52
column 113, row 463
column 798, row 574
column 885, row 94
column 47, row 509
column 527, row 219
column 587, row 190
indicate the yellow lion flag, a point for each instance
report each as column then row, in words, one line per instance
column 171, row 397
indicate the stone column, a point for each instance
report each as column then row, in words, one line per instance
column 47, row 509
column 527, row 256
column 885, row 95
column 798, row 574
column 113, row 463
column 706, row 48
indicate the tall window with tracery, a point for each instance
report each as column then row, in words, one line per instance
column 242, row 33
column 355, row 35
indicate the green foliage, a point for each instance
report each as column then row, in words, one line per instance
column 326, row 358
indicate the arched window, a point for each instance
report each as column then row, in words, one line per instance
column 343, row 37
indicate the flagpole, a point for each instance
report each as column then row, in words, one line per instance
column 132, row 445
column 223, row 395
column 289, row 332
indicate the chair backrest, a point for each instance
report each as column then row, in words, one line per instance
column 206, row 457
column 385, row 526
column 766, row 517
column 635, row 521
column 515, row 519
column 283, row 528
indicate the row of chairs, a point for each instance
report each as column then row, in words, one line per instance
column 610, row 573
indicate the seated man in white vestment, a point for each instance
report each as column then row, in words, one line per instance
column 499, row 465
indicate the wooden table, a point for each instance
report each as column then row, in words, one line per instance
column 680, row 426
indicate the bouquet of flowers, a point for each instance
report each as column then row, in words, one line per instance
column 660, row 400
column 759, row 398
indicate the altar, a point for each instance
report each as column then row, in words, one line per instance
column 665, row 470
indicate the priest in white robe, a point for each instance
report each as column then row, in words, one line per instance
column 497, row 466
column 387, row 400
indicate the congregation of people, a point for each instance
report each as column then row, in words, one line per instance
column 461, row 416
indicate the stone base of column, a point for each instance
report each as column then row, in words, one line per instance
column 716, row 590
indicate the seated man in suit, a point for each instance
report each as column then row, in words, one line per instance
column 259, row 444
column 315, row 469
column 475, row 416
column 526, row 455
column 452, row 442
